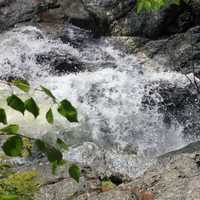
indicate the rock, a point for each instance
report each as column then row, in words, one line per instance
column 13, row 12
column 60, row 64
column 168, row 21
column 77, row 37
column 180, row 52
column 171, row 177
column 177, row 103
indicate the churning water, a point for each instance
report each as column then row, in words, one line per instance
column 108, row 97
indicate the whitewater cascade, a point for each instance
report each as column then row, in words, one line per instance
column 107, row 94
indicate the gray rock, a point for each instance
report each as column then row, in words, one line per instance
column 60, row 64
column 180, row 52
column 168, row 21
column 177, row 104
column 16, row 11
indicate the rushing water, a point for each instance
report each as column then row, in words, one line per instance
column 108, row 96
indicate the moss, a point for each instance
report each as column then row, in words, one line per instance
column 21, row 185
column 107, row 186
column 27, row 147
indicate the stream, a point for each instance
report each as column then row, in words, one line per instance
column 108, row 92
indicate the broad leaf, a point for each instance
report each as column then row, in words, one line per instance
column 32, row 107
column 66, row 109
column 12, row 129
column 22, row 85
column 48, row 93
column 13, row 146
column 3, row 117
column 16, row 103
column 49, row 116
column 62, row 144
column 51, row 152
column 75, row 172
column 55, row 165
column 41, row 145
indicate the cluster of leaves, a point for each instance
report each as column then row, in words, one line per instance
column 15, row 144
column 153, row 5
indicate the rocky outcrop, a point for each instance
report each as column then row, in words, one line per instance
column 177, row 103
column 168, row 21
column 60, row 64
column 176, row 175
column 16, row 11
column 180, row 52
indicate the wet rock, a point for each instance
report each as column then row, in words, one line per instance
column 76, row 36
column 180, row 104
column 13, row 12
column 168, row 21
column 180, row 52
column 60, row 64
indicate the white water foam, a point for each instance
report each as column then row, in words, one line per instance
column 109, row 100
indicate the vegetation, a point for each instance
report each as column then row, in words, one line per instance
column 19, row 186
column 152, row 5
column 17, row 144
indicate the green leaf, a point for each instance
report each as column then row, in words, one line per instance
column 48, row 93
column 13, row 146
column 75, row 172
column 41, row 145
column 51, row 152
column 140, row 5
column 49, row 116
column 54, row 166
column 9, row 197
column 16, row 103
column 66, row 109
column 22, row 85
column 12, row 129
column 3, row 117
column 32, row 107
column 62, row 144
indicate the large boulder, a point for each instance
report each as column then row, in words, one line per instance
column 16, row 11
column 180, row 52
column 168, row 21
column 181, row 104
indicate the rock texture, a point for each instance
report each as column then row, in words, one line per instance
column 16, row 11
column 180, row 52
column 175, row 176
column 171, row 20
column 177, row 103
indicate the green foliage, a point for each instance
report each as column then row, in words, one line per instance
column 3, row 117
column 13, row 146
column 49, row 116
column 16, row 103
column 21, row 145
column 107, row 185
column 19, row 186
column 62, row 144
column 48, row 93
column 32, row 107
column 75, row 172
column 22, row 85
column 154, row 5
column 68, row 111
column 11, row 129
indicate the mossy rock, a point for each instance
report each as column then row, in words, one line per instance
column 19, row 186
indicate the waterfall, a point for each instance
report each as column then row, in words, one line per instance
column 108, row 95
